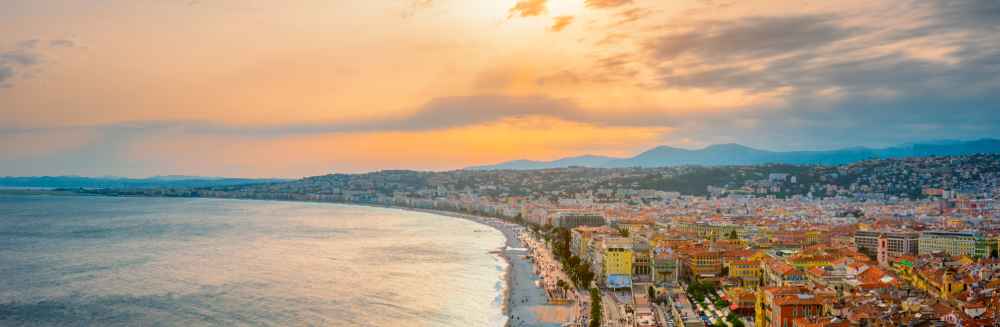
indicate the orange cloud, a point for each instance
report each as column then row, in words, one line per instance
column 632, row 15
column 606, row 3
column 528, row 8
column 560, row 23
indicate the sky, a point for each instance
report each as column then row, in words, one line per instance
column 293, row 88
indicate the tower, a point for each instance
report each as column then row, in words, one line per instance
column 883, row 251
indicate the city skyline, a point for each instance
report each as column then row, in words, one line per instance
column 278, row 89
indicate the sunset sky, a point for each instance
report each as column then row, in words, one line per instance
column 293, row 88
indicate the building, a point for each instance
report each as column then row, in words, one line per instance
column 747, row 271
column 616, row 261
column 971, row 244
column 899, row 243
column 780, row 306
column 582, row 237
column 641, row 260
column 704, row 264
column 665, row 267
column 834, row 277
column 635, row 225
column 713, row 230
column 779, row 273
column 573, row 219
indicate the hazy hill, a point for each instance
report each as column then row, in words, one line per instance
column 735, row 154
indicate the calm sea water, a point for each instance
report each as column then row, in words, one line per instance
column 193, row 262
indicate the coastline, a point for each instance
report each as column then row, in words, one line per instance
column 522, row 298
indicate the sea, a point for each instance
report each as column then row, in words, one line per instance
column 110, row 261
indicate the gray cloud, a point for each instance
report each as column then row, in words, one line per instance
column 25, row 54
column 20, row 57
column 814, row 52
column 837, row 90
column 28, row 44
column 969, row 13
column 438, row 114
column 12, row 60
column 62, row 43
column 753, row 37
column 5, row 74
column 810, row 123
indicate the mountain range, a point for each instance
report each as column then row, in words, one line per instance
column 735, row 154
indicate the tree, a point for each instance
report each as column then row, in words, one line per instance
column 652, row 294
column 734, row 320
column 585, row 275
column 596, row 314
column 574, row 261
column 733, row 235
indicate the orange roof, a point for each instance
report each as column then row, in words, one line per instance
column 816, row 271
column 820, row 322
column 741, row 253
column 781, row 268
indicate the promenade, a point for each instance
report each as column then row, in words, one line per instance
column 567, row 305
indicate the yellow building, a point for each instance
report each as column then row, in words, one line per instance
column 748, row 271
column 808, row 261
column 939, row 283
column 617, row 256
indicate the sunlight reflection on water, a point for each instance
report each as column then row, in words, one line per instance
column 124, row 261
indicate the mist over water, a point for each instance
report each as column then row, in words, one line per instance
column 131, row 261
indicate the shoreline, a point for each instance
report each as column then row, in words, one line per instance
column 510, row 240
column 519, row 276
